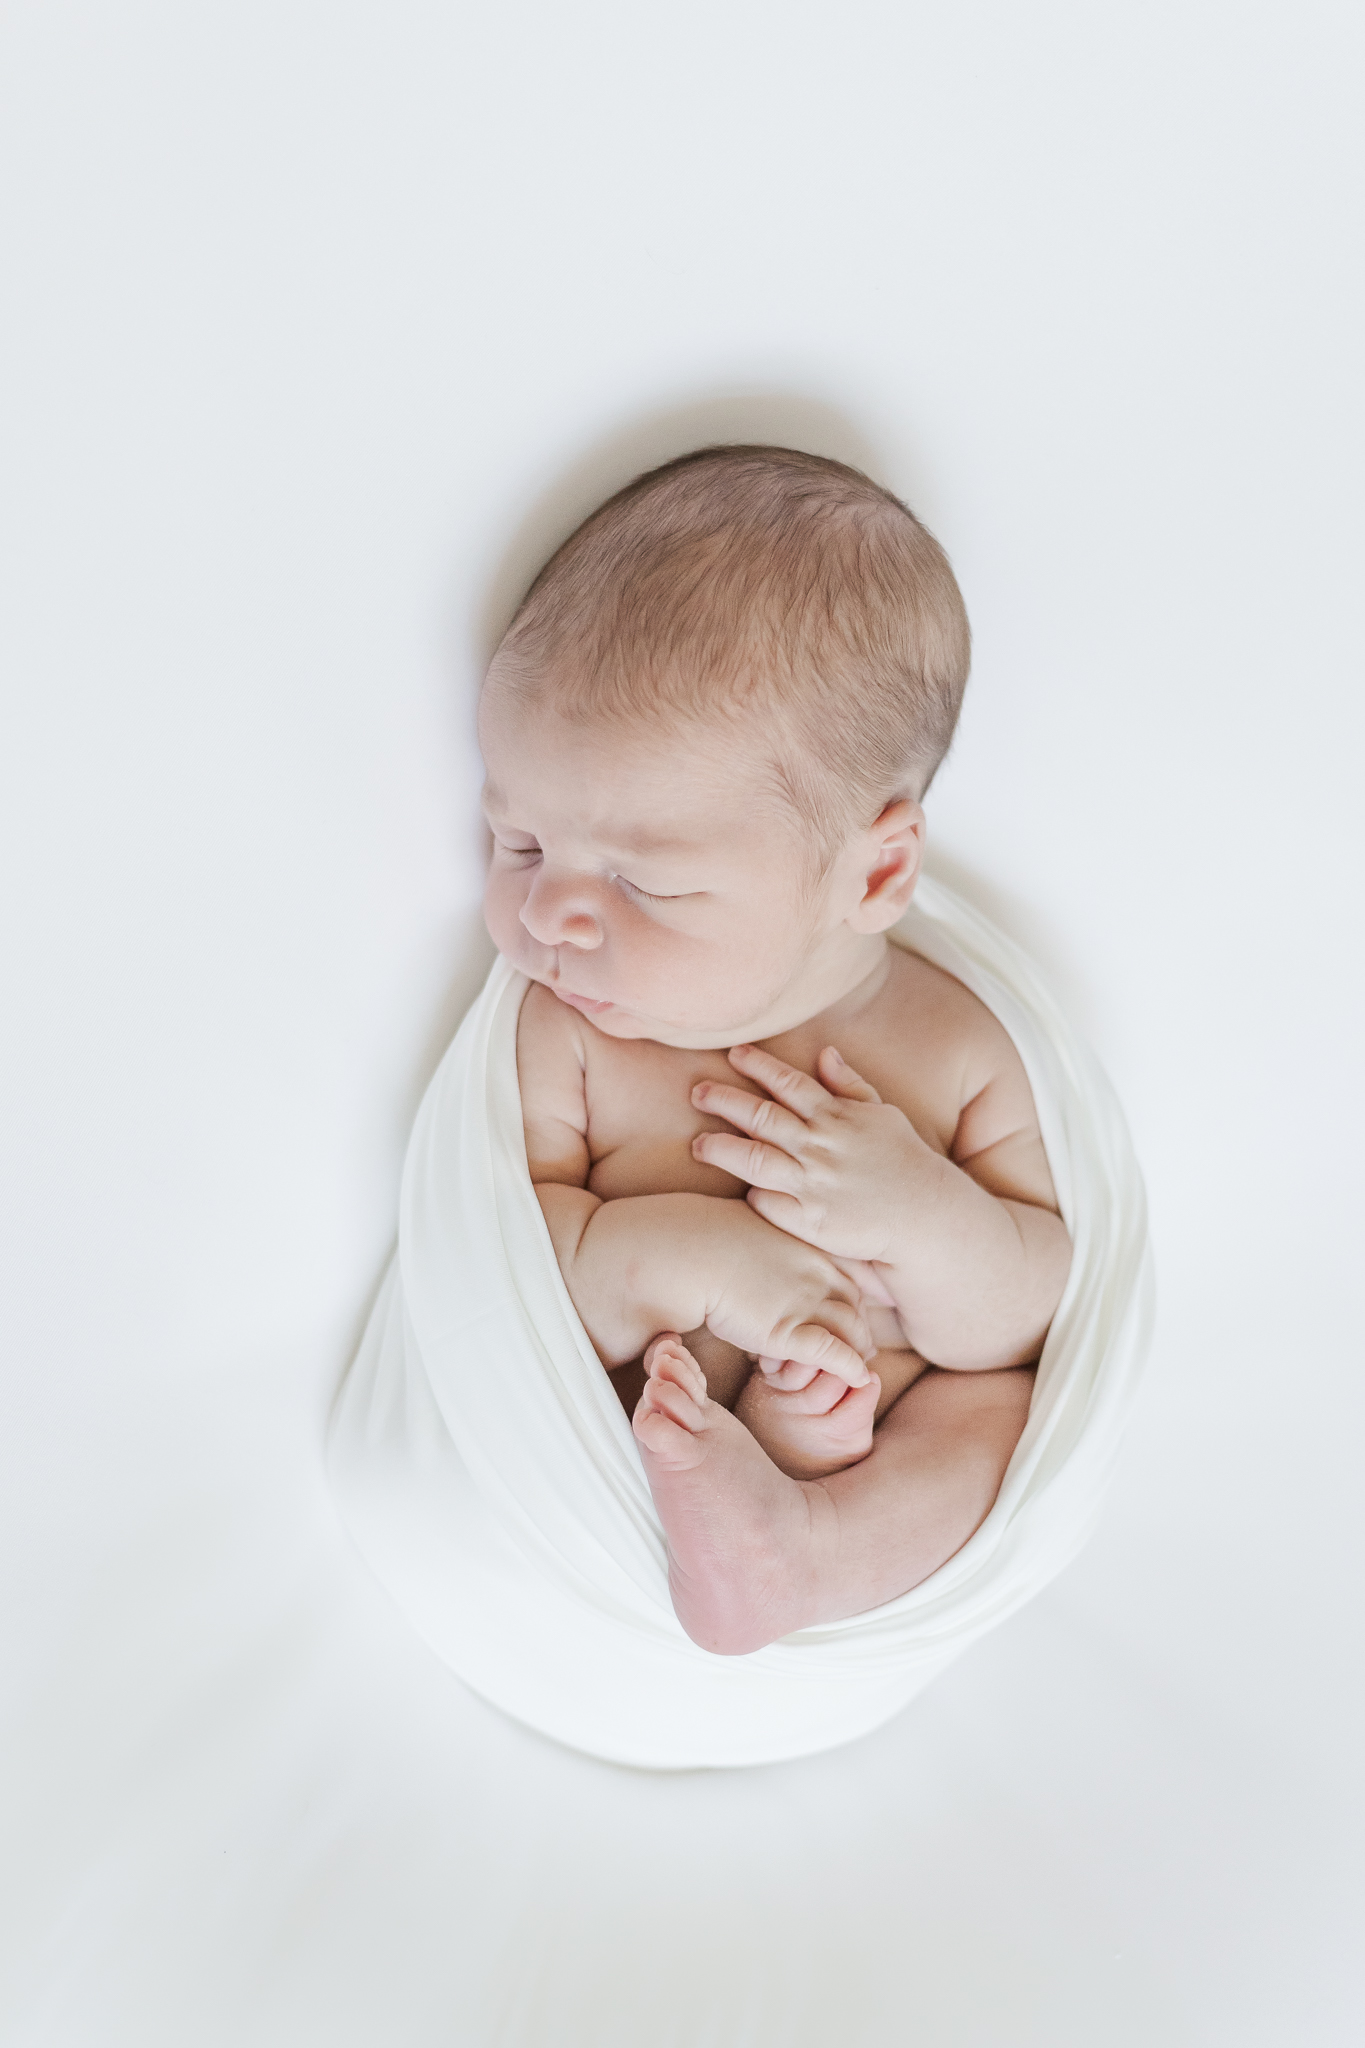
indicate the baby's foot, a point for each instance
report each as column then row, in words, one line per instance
column 740, row 1534
column 809, row 1431
column 670, row 1416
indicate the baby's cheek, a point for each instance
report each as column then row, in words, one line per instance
column 503, row 897
column 684, row 982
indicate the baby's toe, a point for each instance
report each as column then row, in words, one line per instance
column 667, row 1421
column 664, row 1397
column 668, row 1360
column 676, row 1386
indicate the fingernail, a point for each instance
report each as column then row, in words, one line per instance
column 839, row 1059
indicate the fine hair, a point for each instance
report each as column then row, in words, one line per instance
column 760, row 584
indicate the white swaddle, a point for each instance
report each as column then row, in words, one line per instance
column 488, row 1473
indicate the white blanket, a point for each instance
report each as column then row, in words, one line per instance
column 488, row 1473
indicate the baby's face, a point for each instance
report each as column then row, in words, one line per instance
column 646, row 880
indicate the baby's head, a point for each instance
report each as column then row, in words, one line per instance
column 707, row 732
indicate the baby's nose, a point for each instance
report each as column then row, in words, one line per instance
column 553, row 916
column 578, row 929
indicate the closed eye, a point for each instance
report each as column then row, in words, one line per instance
column 635, row 890
column 531, row 853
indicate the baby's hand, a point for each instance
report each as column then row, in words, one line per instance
column 780, row 1299
column 833, row 1165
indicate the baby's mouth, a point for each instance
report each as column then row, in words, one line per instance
column 578, row 1002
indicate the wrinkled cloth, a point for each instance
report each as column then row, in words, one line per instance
column 487, row 1472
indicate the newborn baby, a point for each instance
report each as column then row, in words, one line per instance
column 792, row 1173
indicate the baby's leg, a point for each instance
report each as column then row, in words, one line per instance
column 810, row 1430
column 737, row 1528
column 755, row 1555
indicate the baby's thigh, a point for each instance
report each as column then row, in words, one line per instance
column 929, row 1482
column 972, row 1420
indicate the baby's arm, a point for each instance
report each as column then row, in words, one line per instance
column 969, row 1248
column 640, row 1264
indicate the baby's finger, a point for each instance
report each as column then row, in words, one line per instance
column 759, row 1115
column 784, row 1212
column 839, row 1339
column 812, row 1344
column 763, row 1166
column 798, row 1091
column 867, row 1280
column 839, row 1077
column 787, row 1373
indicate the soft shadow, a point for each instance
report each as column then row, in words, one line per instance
column 471, row 955
column 1025, row 924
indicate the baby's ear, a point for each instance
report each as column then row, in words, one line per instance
column 894, row 846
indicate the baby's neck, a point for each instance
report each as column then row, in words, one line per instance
column 837, row 979
column 830, row 987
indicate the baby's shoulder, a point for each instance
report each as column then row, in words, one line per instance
column 974, row 1073
column 936, row 1050
column 934, row 1019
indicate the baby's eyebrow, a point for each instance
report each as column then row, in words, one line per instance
column 644, row 841
column 639, row 841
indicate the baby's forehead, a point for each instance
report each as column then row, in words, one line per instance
column 638, row 784
column 652, row 718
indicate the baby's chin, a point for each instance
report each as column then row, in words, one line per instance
column 613, row 1020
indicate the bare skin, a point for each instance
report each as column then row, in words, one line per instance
column 752, row 1120
column 755, row 1555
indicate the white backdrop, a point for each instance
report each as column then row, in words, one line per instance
column 323, row 323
